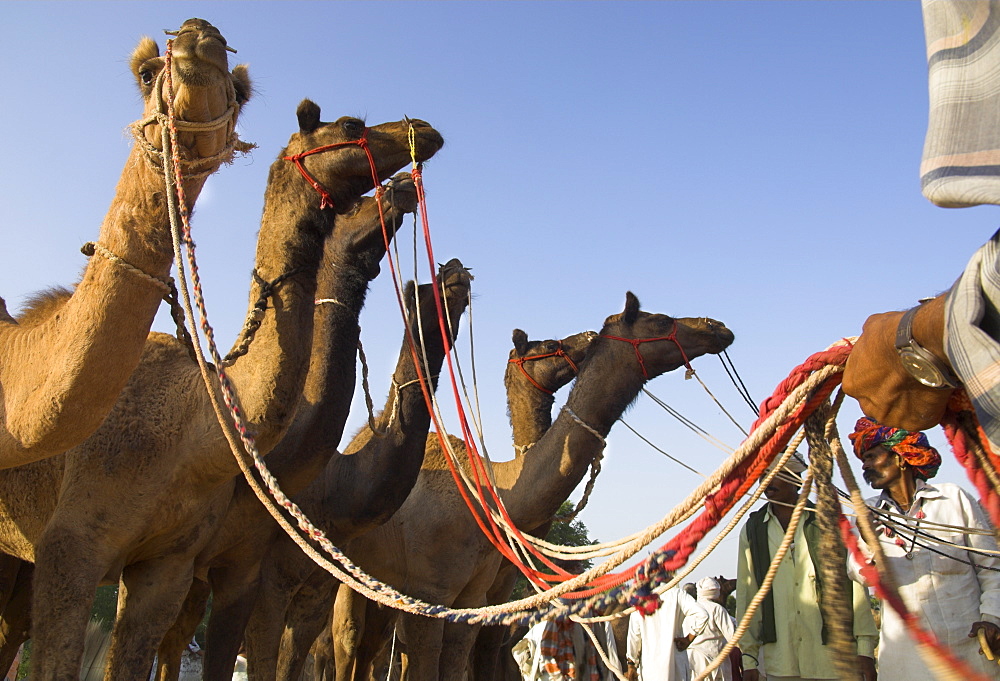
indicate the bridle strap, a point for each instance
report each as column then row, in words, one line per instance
column 635, row 342
column 326, row 201
column 559, row 352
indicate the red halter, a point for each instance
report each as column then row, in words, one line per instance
column 635, row 342
column 326, row 201
column 559, row 352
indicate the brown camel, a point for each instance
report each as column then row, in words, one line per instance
column 369, row 481
column 294, row 585
column 230, row 559
column 67, row 357
column 441, row 556
column 535, row 371
column 364, row 486
column 141, row 496
column 350, row 260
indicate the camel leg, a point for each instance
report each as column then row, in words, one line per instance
column 15, row 626
column 305, row 618
column 423, row 637
column 175, row 641
column 378, row 634
column 234, row 593
column 149, row 601
column 486, row 652
column 68, row 568
column 456, row 646
column 263, row 632
column 347, row 627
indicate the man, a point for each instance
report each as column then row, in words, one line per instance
column 786, row 634
column 720, row 628
column 954, row 591
column 656, row 642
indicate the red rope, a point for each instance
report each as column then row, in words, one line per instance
column 326, row 201
column 910, row 621
column 636, row 342
column 560, row 352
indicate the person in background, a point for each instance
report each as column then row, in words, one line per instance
column 713, row 638
column 785, row 638
column 656, row 642
column 939, row 546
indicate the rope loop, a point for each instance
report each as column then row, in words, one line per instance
column 92, row 248
column 559, row 352
column 636, row 342
column 325, row 200
column 256, row 315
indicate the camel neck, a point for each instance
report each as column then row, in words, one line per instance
column 556, row 464
column 270, row 376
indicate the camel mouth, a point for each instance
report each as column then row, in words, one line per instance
column 198, row 44
column 428, row 140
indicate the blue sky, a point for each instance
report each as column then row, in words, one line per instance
column 752, row 162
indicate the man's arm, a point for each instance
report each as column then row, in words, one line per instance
column 875, row 376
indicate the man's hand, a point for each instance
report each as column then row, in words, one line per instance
column 867, row 667
column 992, row 633
column 682, row 642
column 751, row 675
column 631, row 673
column 875, row 376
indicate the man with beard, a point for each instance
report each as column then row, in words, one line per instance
column 786, row 637
column 939, row 546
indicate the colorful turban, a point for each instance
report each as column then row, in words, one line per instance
column 912, row 447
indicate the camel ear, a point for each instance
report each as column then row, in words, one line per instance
column 631, row 312
column 242, row 84
column 520, row 339
column 410, row 298
column 308, row 113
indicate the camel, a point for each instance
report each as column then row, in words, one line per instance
column 142, row 495
column 364, row 486
column 441, row 556
column 230, row 558
column 294, row 584
column 67, row 357
column 348, row 265
column 535, row 371
column 369, row 481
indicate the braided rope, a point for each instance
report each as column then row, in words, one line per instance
column 836, row 602
column 92, row 248
column 747, row 506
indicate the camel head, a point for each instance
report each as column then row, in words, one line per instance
column 661, row 343
column 207, row 96
column 545, row 365
column 331, row 157
column 454, row 281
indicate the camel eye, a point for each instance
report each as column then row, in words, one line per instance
column 146, row 76
column 354, row 127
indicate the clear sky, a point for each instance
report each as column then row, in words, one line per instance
column 752, row 162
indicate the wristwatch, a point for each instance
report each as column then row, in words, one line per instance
column 918, row 361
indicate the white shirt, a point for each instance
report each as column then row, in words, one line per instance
column 947, row 595
column 709, row 643
column 651, row 638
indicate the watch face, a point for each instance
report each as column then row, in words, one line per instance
column 921, row 369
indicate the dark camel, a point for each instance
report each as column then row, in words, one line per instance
column 442, row 557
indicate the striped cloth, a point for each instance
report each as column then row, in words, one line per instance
column 961, row 159
column 972, row 319
column 558, row 655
